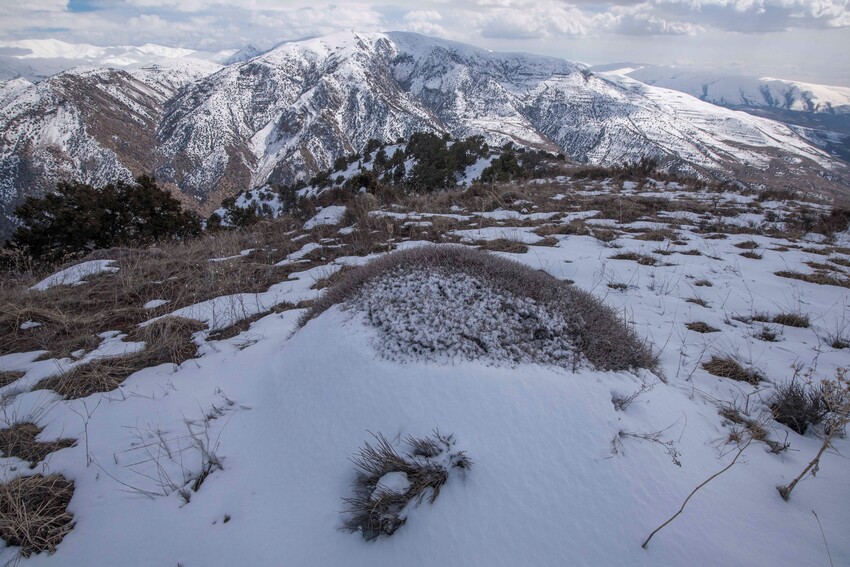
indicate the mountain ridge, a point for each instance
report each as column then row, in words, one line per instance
column 208, row 131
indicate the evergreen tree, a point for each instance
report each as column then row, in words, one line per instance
column 77, row 218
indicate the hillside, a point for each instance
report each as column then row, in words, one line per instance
column 215, row 391
column 209, row 132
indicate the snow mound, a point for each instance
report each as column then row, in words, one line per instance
column 448, row 303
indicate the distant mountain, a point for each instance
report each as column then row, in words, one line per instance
column 209, row 131
column 821, row 111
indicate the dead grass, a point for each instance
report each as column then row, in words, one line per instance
column 575, row 227
column 816, row 278
column 747, row 245
column 728, row 367
column 377, row 510
column 752, row 255
column 9, row 376
column 20, row 441
column 641, row 259
column 503, row 245
column 792, row 320
column 657, row 235
column 700, row 327
column 34, row 512
column 167, row 340
column 244, row 324
column 697, row 301
column 548, row 241
column 703, row 283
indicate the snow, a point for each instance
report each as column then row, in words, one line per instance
column 154, row 303
column 76, row 275
column 396, row 482
column 553, row 475
column 329, row 215
column 29, row 325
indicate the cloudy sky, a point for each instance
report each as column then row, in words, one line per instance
column 796, row 39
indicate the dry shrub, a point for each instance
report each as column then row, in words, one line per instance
column 816, row 278
column 34, row 512
column 167, row 340
column 595, row 330
column 19, row 441
column 798, row 405
column 700, row 327
column 727, row 367
column 376, row 509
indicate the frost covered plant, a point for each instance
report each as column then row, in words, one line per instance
column 390, row 484
column 448, row 302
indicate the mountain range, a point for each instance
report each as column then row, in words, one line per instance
column 211, row 125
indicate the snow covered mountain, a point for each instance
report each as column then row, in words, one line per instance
column 210, row 131
column 820, row 113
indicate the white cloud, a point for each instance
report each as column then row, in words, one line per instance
column 592, row 28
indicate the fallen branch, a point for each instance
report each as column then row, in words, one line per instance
column 694, row 491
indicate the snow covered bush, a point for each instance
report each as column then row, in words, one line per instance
column 389, row 485
column 450, row 302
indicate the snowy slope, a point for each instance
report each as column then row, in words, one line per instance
column 555, row 472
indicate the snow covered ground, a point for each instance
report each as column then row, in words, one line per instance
column 559, row 475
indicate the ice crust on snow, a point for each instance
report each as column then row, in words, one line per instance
column 439, row 315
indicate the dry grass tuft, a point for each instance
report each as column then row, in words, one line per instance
column 34, row 512
column 816, row 278
column 377, row 510
column 703, row 283
column 752, row 255
column 503, row 245
column 792, row 320
column 9, row 376
column 697, row 301
column 167, row 340
column 641, row 259
column 657, row 235
column 747, row 245
column 19, row 441
column 700, row 327
column 727, row 367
